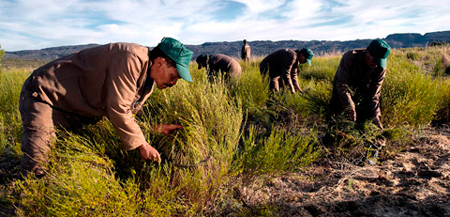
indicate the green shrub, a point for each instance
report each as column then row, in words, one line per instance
column 78, row 183
column 281, row 152
column 252, row 89
column 10, row 121
column 321, row 69
column 211, row 123
column 2, row 52
column 412, row 55
column 409, row 95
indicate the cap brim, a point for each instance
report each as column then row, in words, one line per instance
column 184, row 73
column 308, row 61
column 383, row 63
column 379, row 61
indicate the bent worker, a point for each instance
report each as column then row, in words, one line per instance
column 246, row 51
column 112, row 80
column 283, row 64
column 357, row 87
column 357, row 83
column 226, row 65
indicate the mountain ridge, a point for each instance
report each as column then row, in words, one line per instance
column 259, row 47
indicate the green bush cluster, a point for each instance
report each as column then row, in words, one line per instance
column 233, row 132
column 10, row 122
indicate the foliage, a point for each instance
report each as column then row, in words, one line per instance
column 2, row 52
column 230, row 129
column 10, row 123
column 281, row 152
column 409, row 95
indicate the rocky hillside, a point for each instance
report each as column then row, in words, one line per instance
column 259, row 48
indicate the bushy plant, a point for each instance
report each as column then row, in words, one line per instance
column 252, row 89
column 80, row 182
column 203, row 150
column 409, row 95
column 281, row 152
column 10, row 122
column 412, row 55
column 2, row 52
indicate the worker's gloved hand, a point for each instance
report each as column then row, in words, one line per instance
column 148, row 153
column 167, row 129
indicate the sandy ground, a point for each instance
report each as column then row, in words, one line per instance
column 415, row 182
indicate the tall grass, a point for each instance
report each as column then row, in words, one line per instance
column 237, row 129
column 279, row 153
column 10, row 122
column 410, row 95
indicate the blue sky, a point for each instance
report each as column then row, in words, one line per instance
column 28, row 24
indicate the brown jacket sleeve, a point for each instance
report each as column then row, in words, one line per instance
column 288, row 64
column 375, row 92
column 294, row 75
column 125, row 70
column 343, row 91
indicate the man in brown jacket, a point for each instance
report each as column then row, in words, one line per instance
column 357, row 83
column 112, row 80
column 284, row 64
column 246, row 51
column 228, row 66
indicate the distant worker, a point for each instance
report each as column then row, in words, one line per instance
column 357, row 83
column 246, row 51
column 228, row 66
column 283, row 64
column 112, row 80
column 357, row 89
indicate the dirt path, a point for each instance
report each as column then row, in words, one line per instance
column 415, row 182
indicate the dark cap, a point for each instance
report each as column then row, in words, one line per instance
column 308, row 54
column 379, row 50
column 178, row 53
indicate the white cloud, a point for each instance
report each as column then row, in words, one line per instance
column 261, row 6
column 39, row 24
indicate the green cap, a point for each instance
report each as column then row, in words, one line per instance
column 379, row 50
column 308, row 54
column 178, row 53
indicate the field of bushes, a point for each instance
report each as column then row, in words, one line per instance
column 232, row 134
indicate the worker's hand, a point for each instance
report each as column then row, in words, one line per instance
column 148, row 153
column 297, row 88
column 377, row 122
column 352, row 115
column 167, row 129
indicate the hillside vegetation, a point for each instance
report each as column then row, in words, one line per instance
column 233, row 134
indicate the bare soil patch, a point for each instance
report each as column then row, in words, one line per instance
column 415, row 182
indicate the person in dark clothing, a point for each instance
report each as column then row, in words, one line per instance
column 357, row 87
column 362, row 72
column 246, row 51
column 283, row 64
column 228, row 66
